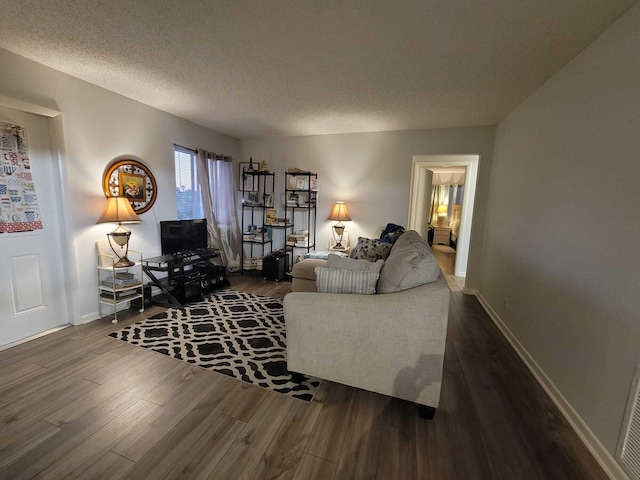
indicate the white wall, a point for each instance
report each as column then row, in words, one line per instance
column 563, row 227
column 98, row 127
column 372, row 173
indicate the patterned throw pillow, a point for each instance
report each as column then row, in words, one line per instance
column 371, row 249
column 332, row 280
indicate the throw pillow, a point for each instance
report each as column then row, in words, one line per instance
column 332, row 280
column 409, row 265
column 371, row 249
column 391, row 233
column 341, row 263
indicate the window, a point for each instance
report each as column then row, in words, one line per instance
column 188, row 195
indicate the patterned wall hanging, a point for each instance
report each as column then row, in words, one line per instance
column 131, row 179
column 19, row 211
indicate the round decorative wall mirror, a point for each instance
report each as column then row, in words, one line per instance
column 133, row 180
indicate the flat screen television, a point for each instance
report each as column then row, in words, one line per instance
column 183, row 235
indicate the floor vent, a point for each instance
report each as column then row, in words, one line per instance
column 628, row 451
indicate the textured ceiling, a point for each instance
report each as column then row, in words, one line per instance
column 293, row 67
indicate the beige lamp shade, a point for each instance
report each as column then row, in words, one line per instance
column 339, row 212
column 118, row 210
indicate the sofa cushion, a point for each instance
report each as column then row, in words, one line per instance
column 333, row 280
column 306, row 269
column 409, row 264
column 341, row 263
column 371, row 249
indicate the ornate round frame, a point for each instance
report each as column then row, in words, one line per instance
column 120, row 173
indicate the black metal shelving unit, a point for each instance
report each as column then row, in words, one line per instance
column 257, row 190
column 301, row 197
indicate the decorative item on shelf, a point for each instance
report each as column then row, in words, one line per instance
column 340, row 213
column 268, row 199
column 301, row 184
column 442, row 214
column 292, row 200
column 133, row 180
column 118, row 210
column 271, row 216
column 252, row 199
column 264, row 166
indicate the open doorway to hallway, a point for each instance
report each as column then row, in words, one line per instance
column 427, row 222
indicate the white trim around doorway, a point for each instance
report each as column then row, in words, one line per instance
column 420, row 197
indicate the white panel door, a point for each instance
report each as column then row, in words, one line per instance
column 32, row 283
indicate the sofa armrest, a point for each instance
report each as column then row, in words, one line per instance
column 372, row 341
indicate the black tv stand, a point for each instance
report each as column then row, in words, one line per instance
column 189, row 274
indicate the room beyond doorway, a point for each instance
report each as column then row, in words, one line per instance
column 421, row 181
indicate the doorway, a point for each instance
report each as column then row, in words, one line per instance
column 420, row 198
column 33, row 297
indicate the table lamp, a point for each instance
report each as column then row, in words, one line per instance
column 118, row 210
column 339, row 212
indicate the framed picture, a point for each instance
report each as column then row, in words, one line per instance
column 301, row 184
column 271, row 216
column 252, row 198
column 131, row 179
column 268, row 199
column 132, row 186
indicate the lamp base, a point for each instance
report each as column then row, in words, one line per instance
column 123, row 262
column 121, row 237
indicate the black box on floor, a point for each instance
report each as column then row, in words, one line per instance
column 275, row 267
column 136, row 303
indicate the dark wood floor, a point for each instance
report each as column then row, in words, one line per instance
column 79, row 404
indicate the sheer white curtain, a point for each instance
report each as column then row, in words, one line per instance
column 439, row 196
column 215, row 173
column 448, row 195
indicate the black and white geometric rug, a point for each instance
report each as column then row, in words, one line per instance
column 238, row 334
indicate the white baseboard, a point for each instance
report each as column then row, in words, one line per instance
column 608, row 463
column 32, row 337
column 93, row 316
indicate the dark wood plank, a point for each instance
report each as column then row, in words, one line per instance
column 245, row 453
column 197, row 443
column 314, row 468
column 110, row 467
column 359, row 457
column 144, row 368
column 327, row 437
column 75, row 433
column 137, row 443
column 287, row 447
column 434, row 446
column 74, row 462
column 79, row 404
column 397, row 454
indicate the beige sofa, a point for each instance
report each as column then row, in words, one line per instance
column 390, row 343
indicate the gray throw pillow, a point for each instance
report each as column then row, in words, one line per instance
column 342, row 263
